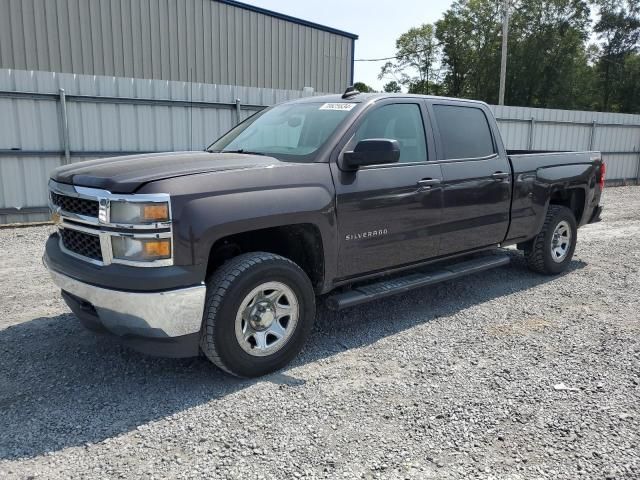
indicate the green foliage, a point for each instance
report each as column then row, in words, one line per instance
column 363, row 87
column 392, row 87
column 618, row 28
column 416, row 52
column 551, row 61
column 470, row 37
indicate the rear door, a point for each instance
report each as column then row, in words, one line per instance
column 476, row 177
column 388, row 215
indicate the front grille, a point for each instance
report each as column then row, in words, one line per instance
column 81, row 243
column 81, row 206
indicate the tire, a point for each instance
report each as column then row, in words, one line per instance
column 244, row 314
column 546, row 253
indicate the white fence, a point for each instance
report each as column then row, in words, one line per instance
column 108, row 116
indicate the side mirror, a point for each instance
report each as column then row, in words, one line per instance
column 372, row 151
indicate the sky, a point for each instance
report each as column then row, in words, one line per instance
column 378, row 24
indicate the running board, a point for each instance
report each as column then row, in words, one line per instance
column 386, row 288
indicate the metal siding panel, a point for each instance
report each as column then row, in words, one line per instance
column 261, row 51
column 97, row 48
column 41, row 38
column 6, row 42
column 207, row 25
column 282, row 59
column 245, row 47
column 288, row 44
column 333, row 64
column 215, row 43
column 138, row 66
column 315, row 59
column 237, row 60
column 308, row 56
column 146, row 46
column 183, row 52
column 106, row 37
column 143, row 39
column 199, row 38
column 268, row 51
column 253, row 33
column 118, row 46
column 127, row 38
column 341, row 66
column 226, row 18
column 12, row 181
column 174, row 48
column 155, row 41
column 17, row 36
column 190, row 43
column 84, row 35
column 160, row 40
column 326, row 45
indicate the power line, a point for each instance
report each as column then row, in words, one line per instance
column 396, row 57
column 375, row 59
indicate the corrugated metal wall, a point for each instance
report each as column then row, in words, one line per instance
column 616, row 135
column 107, row 116
column 111, row 116
column 203, row 41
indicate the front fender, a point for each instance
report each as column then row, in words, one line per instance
column 207, row 220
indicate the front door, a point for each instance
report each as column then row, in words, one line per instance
column 388, row 214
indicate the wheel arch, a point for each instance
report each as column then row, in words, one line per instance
column 573, row 198
column 301, row 243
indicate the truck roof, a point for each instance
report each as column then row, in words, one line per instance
column 371, row 97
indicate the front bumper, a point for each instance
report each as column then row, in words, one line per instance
column 168, row 317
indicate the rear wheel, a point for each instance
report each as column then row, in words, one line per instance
column 551, row 251
column 259, row 310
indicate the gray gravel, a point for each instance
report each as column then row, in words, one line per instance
column 506, row 374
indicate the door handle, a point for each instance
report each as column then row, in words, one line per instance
column 500, row 175
column 427, row 183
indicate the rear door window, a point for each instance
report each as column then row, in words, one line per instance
column 464, row 132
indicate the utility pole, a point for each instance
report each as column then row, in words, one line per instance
column 503, row 60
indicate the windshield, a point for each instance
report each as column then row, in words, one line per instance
column 288, row 132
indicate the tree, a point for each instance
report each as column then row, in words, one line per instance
column 469, row 35
column 547, row 58
column 618, row 28
column 547, row 53
column 363, row 87
column 416, row 53
column 392, row 87
column 551, row 62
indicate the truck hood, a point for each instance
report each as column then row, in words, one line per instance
column 127, row 174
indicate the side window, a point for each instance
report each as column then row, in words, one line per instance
column 401, row 122
column 464, row 132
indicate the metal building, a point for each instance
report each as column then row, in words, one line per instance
column 221, row 42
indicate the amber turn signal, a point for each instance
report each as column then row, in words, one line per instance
column 157, row 248
column 155, row 212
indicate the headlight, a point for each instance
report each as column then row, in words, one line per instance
column 141, row 249
column 139, row 212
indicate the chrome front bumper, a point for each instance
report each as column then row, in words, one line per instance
column 170, row 313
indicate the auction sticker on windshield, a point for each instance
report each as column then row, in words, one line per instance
column 338, row 106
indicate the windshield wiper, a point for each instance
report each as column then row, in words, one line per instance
column 240, row 150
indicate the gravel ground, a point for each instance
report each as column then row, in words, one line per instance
column 506, row 374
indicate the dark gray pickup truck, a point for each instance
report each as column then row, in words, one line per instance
column 353, row 198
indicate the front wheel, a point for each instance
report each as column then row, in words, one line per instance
column 259, row 310
column 552, row 249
